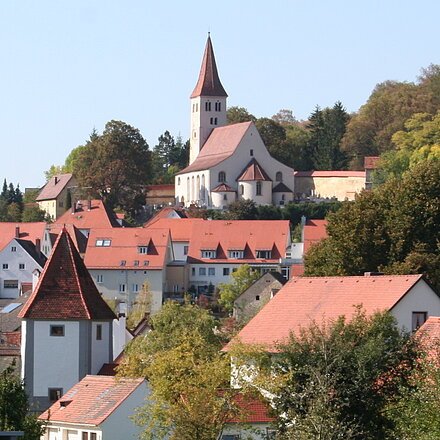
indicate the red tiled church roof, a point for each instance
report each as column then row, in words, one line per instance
column 223, row 187
column 65, row 289
column 208, row 83
column 221, row 144
column 329, row 173
column 304, row 300
column 91, row 400
column 253, row 171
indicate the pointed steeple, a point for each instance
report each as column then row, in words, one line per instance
column 209, row 82
column 65, row 289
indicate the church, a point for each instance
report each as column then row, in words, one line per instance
column 227, row 162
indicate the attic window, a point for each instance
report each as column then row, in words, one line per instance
column 123, row 262
column 143, row 249
column 264, row 254
column 236, row 254
column 208, row 253
column 57, row 330
column 418, row 319
column 13, row 248
column 136, row 263
column 146, row 262
column 103, row 242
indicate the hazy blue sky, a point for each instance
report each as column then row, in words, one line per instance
column 69, row 66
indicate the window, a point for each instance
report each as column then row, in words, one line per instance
column 10, row 284
column 197, row 106
column 178, row 181
column 234, row 270
column 185, row 250
column 257, row 297
column 211, row 271
column 418, row 319
column 279, row 176
column 218, row 106
column 193, row 271
column 121, row 288
column 258, row 188
column 236, row 254
column 123, row 262
column 264, row 254
column 55, row 394
column 208, row 254
column 211, row 121
column 93, row 436
column 99, row 279
column 207, row 106
column 5, row 266
column 57, row 330
column 21, row 266
column 225, row 197
column 99, row 332
column 146, row 262
column 202, row 271
column 135, row 288
column 143, row 249
column 215, row 121
column 14, row 249
column 136, row 262
column 103, row 242
column 241, row 189
column 226, row 271
column 230, row 437
column 222, row 176
column 85, row 436
column 251, row 152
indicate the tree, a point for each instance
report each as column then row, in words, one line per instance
column 336, row 380
column 327, row 127
column 33, row 213
column 234, row 115
column 182, row 362
column 394, row 228
column 116, row 165
column 242, row 278
column 272, row 133
column 242, row 210
column 141, row 307
column 14, row 407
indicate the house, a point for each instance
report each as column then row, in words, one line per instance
column 227, row 162
column 31, row 231
column 339, row 185
column 248, row 304
column 304, row 300
column 66, row 327
column 429, row 337
column 370, row 164
column 96, row 408
column 254, row 422
column 55, row 196
column 121, row 260
column 18, row 261
column 160, row 194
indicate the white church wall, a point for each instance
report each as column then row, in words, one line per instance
column 187, row 189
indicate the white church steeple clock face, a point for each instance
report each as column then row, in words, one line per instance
column 208, row 103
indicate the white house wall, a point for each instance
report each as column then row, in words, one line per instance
column 113, row 278
column 101, row 348
column 119, row 425
column 421, row 298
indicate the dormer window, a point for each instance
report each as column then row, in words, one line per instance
column 146, row 262
column 103, row 242
column 264, row 254
column 136, row 263
column 208, row 253
column 222, row 176
column 236, row 254
column 123, row 263
column 143, row 249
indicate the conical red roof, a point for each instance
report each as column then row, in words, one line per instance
column 209, row 82
column 66, row 289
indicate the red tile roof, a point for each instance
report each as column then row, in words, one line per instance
column 429, row 336
column 180, row 228
column 124, row 247
column 221, row 144
column 370, row 162
column 27, row 231
column 161, row 186
column 78, row 238
column 253, row 171
column 314, row 231
column 65, row 289
column 167, row 212
column 223, row 187
column 208, row 83
column 246, row 235
column 329, row 174
column 306, row 299
column 253, row 410
column 53, row 187
column 91, row 400
column 99, row 216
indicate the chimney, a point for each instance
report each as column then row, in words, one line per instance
column 56, row 180
column 89, row 204
column 72, row 208
column 17, row 232
column 373, row 274
column 38, row 246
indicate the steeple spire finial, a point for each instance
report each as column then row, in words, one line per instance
column 208, row 83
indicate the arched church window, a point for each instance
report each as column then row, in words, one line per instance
column 207, row 106
column 218, row 106
column 258, row 188
column 279, row 176
column 222, row 176
column 241, row 189
column 178, row 181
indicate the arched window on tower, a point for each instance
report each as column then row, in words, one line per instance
column 207, row 106
column 222, row 176
column 279, row 176
column 241, row 190
column 258, row 188
column 218, row 106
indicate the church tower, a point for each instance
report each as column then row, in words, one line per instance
column 208, row 103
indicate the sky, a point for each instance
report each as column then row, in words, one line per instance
column 71, row 66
